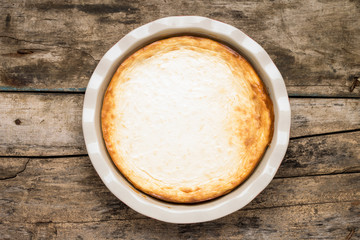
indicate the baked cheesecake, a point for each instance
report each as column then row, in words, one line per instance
column 186, row 119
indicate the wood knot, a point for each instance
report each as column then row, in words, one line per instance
column 24, row 51
column 17, row 121
column 7, row 20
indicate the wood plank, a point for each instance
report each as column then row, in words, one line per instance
column 317, row 116
column 69, row 190
column 336, row 153
column 41, row 124
column 313, row 43
column 34, row 67
column 319, row 221
column 50, row 124
column 329, row 154
column 58, row 189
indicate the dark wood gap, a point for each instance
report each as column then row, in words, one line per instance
column 292, row 205
column 320, row 175
column 325, row 134
column 79, row 222
column 40, row 91
column 325, row 97
column 43, row 92
column 50, row 156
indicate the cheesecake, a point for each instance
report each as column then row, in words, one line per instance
column 186, row 119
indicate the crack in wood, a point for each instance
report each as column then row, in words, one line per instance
column 43, row 91
column 356, row 171
column 24, row 51
column 16, row 174
column 77, row 222
column 83, row 89
column 295, row 205
column 355, row 83
column 325, row 134
column 351, row 233
column 322, row 97
column 47, row 157
column 49, row 45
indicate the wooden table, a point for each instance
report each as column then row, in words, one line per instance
column 48, row 187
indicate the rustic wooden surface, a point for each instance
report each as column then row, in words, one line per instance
column 48, row 187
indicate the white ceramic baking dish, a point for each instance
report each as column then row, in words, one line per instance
column 182, row 213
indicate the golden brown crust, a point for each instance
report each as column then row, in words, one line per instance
column 262, row 113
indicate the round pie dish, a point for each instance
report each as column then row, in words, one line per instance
column 185, row 213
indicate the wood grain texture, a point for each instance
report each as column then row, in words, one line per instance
column 67, row 189
column 41, row 124
column 50, row 124
column 335, row 153
column 315, row 221
column 317, row 116
column 50, row 190
column 41, row 67
column 55, row 46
